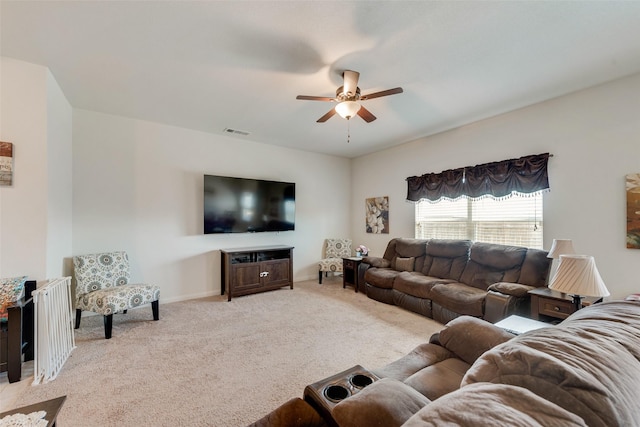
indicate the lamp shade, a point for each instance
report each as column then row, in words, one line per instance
column 559, row 247
column 578, row 275
column 347, row 109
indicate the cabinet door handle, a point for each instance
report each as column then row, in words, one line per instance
column 264, row 274
column 556, row 308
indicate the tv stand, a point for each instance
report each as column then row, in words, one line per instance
column 255, row 269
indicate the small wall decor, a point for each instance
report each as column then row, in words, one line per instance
column 6, row 163
column 633, row 210
column 377, row 215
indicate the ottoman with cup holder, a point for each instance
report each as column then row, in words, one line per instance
column 325, row 394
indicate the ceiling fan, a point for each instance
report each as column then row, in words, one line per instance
column 347, row 97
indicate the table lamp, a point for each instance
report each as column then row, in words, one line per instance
column 578, row 276
column 559, row 247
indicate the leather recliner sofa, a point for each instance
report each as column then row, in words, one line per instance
column 444, row 279
column 583, row 372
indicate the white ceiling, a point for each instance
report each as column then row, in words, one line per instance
column 211, row 65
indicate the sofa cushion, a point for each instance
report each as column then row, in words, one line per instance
column 459, row 298
column 490, row 263
column 439, row 379
column 386, row 402
column 469, row 337
column 493, row 405
column 405, row 264
column 415, row 284
column 446, row 258
column 380, row 277
column 420, row 357
column 535, row 268
column 589, row 364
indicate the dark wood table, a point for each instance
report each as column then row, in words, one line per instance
column 549, row 305
column 19, row 334
column 51, row 407
column 350, row 272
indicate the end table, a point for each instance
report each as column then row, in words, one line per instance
column 547, row 304
column 350, row 272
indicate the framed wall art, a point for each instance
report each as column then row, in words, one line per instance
column 6, row 163
column 377, row 215
column 633, row 210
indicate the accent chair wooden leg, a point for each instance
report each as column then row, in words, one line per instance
column 155, row 307
column 78, row 317
column 108, row 325
column 320, row 277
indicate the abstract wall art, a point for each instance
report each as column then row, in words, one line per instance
column 633, row 210
column 377, row 215
column 6, row 163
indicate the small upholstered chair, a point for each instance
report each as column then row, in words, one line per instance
column 102, row 286
column 334, row 251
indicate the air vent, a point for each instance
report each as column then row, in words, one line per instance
column 236, row 131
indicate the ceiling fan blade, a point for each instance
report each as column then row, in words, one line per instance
column 326, row 116
column 366, row 114
column 350, row 82
column 315, row 98
column 381, row 93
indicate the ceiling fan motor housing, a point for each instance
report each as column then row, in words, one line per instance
column 341, row 96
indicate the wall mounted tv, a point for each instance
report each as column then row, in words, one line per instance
column 241, row 205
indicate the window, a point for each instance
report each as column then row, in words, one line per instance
column 515, row 220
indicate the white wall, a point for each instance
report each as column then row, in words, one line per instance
column 35, row 212
column 59, row 181
column 138, row 186
column 593, row 135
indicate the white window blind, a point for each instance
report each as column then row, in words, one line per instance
column 515, row 220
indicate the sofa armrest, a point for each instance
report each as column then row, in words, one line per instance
column 376, row 262
column 469, row 337
column 386, row 402
column 514, row 289
column 504, row 299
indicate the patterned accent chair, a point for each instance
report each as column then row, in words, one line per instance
column 102, row 286
column 335, row 250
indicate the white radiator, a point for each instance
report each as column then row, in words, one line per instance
column 54, row 329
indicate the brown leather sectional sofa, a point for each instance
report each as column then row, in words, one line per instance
column 444, row 279
column 583, row 372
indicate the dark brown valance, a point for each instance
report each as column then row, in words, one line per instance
column 499, row 179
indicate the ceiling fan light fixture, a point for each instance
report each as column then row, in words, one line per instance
column 347, row 109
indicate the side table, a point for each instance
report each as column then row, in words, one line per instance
column 552, row 305
column 17, row 335
column 350, row 272
column 517, row 325
column 50, row 407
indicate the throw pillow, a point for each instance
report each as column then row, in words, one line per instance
column 405, row 264
column 11, row 290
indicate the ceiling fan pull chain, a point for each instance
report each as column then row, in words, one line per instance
column 348, row 131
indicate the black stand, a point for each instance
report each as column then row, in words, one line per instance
column 577, row 304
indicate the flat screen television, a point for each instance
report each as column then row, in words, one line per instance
column 242, row 205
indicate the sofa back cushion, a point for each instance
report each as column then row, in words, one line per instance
column 446, row 259
column 589, row 364
column 492, row 405
column 406, row 248
column 535, row 268
column 490, row 263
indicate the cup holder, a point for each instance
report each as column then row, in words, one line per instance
column 336, row 393
column 360, row 380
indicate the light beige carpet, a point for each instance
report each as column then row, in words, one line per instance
column 209, row 362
